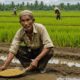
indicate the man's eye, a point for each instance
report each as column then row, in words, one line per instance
column 27, row 19
column 22, row 20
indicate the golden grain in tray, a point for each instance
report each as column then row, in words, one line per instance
column 11, row 72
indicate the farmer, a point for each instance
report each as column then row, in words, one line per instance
column 14, row 11
column 57, row 13
column 31, row 44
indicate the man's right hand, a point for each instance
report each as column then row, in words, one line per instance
column 7, row 61
column 2, row 68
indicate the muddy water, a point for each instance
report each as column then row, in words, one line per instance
column 70, row 63
column 13, row 61
column 68, row 78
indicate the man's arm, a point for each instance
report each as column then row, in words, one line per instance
column 7, row 62
column 47, row 44
column 38, row 58
column 42, row 54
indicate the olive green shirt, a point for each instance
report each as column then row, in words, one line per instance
column 40, row 38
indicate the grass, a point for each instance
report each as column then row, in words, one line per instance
column 64, row 33
column 44, row 13
column 65, row 36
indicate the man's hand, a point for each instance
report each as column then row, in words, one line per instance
column 32, row 66
column 2, row 68
column 7, row 61
column 34, row 63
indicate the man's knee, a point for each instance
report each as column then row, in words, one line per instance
column 51, row 52
column 43, row 62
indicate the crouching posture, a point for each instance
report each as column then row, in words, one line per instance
column 31, row 44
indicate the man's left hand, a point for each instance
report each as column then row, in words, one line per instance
column 34, row 63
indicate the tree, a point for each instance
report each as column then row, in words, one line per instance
column 12, row 4
column 41, row 5
column 62, row 6
column 78, row 6
column 36, row 6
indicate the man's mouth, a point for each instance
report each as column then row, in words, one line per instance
column 27, row 28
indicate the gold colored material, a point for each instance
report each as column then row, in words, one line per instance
column 11, row 72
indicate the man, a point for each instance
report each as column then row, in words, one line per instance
column 37, row 48
column 14, row 11
column 57, row 12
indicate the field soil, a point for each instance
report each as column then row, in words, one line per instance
column 53, row 70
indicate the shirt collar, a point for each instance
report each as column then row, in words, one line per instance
column 34, row 29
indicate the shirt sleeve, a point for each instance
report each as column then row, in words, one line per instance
column 47, row 42
column 15, row 43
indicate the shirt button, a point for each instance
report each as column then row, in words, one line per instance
column 29, row 50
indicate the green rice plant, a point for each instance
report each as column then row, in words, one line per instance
column 64, row 32
column 64, row 36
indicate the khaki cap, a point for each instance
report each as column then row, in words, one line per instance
column 25, row 12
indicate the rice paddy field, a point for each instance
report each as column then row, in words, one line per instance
column 64, row 32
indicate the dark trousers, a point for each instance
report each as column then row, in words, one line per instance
column 58, row 17
column 25, row 56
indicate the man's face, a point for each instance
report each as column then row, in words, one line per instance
column 26, row 22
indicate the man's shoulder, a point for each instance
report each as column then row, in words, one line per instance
column 20, row 31
column 38, row 25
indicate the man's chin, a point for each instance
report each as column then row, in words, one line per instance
column 27, row 31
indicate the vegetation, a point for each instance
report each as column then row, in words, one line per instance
column 64, row 32
column 38, row 6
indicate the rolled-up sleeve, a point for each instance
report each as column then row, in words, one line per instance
column 47, row 42
column 15, row 43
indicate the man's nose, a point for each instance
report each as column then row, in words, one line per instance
column 26, row 23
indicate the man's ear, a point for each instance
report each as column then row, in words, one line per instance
column 33, row 20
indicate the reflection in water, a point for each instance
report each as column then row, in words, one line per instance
column 68, row 78
column 70, row 63
column 13, row 61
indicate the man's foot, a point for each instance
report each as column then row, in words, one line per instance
column 41, row 70
column 29, row 72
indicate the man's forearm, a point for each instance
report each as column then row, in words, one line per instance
column 42, row 54
column 8, row 60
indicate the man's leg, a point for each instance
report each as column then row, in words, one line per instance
column 57, row 17
column 22, row 56
column 43, row 62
